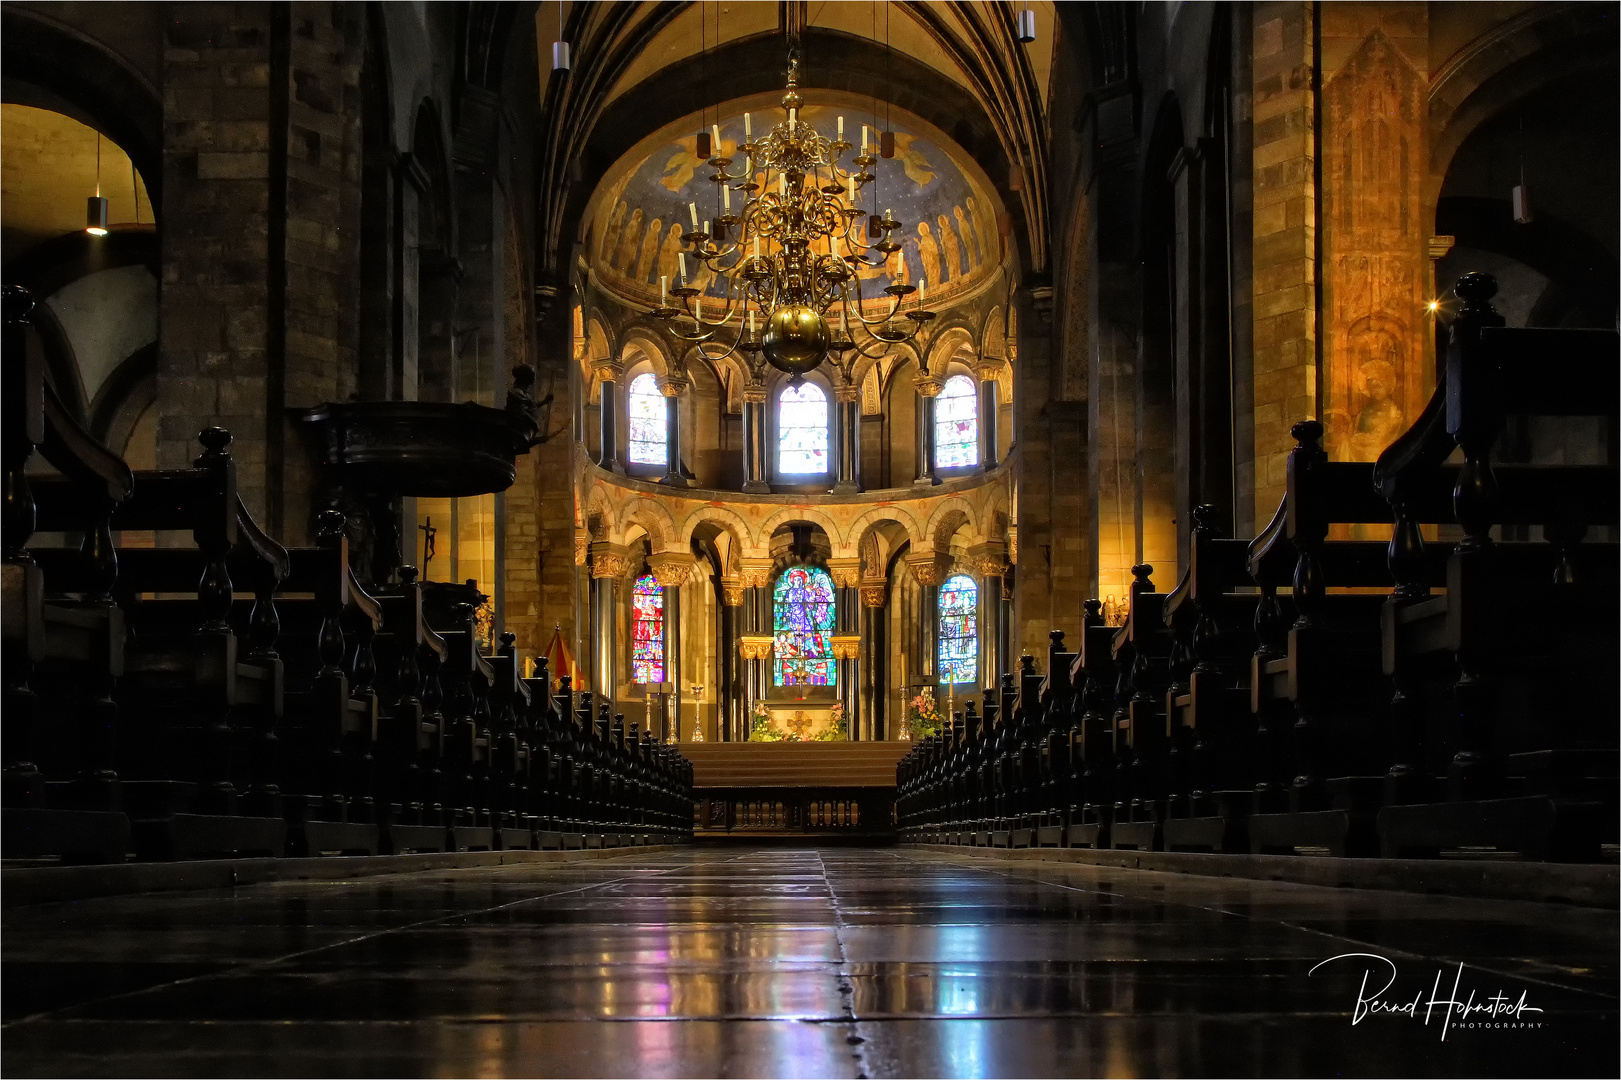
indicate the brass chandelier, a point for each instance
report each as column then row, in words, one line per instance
column 779, row 255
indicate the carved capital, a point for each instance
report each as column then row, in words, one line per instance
column 582, row 543
column 846, row 573
column 846, row 646
column 672, row 569
column 929, row 385
column 989, row 368
column 754, row 573
column 608, row 370
column 754, row 394
column 987, row 560
column 1013, row 544
column 673, row 385
column 929, row 567
column 874, row 594
column 610, row 560
column 847, row 392
column 731, row 591
column 755, row 646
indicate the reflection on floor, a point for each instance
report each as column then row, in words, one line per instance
column 778, row 962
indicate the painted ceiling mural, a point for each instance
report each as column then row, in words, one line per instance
column 949, row 236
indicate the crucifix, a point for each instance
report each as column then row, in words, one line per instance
column 428, row 533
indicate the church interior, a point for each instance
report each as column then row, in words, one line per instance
column 815, row 538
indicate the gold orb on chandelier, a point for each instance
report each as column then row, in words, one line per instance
column 796, row 339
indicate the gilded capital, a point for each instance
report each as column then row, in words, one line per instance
column 672, row 569
column 673, row 386
column 874, row 593
column 609, row 560
column 754, row 394
column 929, row 385
column 731, row 591
column 846, row 573
column 847, row 392
column 754, row 573
column 755, row 646
column 929, row 567
column 582, row 543
column 608, row 370
column 846, row 646
column 989, row 368
column 987, row 560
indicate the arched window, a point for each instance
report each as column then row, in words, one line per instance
column 956, row 423
column 649, row 439
column 647, row 631
column 803, row 619
column 802, row 429
column 959, row 630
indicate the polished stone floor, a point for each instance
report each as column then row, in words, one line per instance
column 790, row 962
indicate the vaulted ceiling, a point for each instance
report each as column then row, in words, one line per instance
column 639, row 66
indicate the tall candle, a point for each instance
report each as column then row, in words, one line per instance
column 726, row 196
column 681, row 256
column 863, row 140
column 751, row 323
column 715, row 134
column 922, row 289
column 694, row 208
column 756, row 245
column 664, row 290
column 706, row 226
column 841, row 129
column 782, row 185
column 748, row 128
column 852, row 189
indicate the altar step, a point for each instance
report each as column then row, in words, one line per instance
column 796, row 765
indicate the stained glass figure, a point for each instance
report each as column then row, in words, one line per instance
column 956, row 423
column 959, row 630
column 647, row 631
column 803, row 619
column 649, row 438
column 802, row 429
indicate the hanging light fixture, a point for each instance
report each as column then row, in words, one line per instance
column 800, row 206
column 95, row 214
column 560, row 57
column 1027, row 25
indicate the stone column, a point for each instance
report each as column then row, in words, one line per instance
column 989, row 561
column 874, row 596
column 754, row 640
column 754, row 450
column 989, row 393
column 671, row 570
column 930, row 569
column 847, row 406
column 846, row 575
column 732, row 691
column 608, row 372
column 609, row 562
column 928, row 389
column 672, row 387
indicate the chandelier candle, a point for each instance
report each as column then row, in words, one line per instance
column 798, row 277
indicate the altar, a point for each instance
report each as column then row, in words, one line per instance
column 809, row 721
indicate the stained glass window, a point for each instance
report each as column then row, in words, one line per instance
column 803, row 619
column 802, row 429
column 959, row 630
column 956, row 423
column 647, row 631
column 648, row 438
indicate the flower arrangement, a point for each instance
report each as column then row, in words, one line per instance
column 839, row 729
column 922, row 718
column 760, row 729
